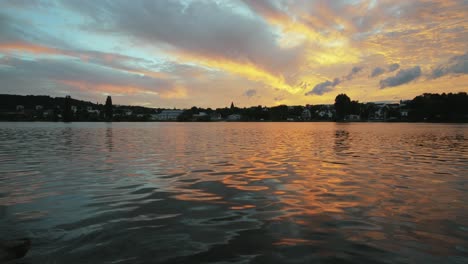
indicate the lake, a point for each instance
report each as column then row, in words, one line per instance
column 236, row 192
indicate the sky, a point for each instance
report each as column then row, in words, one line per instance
column 184, row 53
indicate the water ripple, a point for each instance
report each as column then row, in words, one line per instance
column 236, row 192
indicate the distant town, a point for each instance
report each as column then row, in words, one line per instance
column 451, row 107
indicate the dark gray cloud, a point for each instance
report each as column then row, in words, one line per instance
column 328, row 86
column 456, row 65
column 377, row 71
column 393, row 67
column 324, row 87
column 11, row 29
column 250, row 93
column 355, row 70
column 279, row 98
column 402, row 77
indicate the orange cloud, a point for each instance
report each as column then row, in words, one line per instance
column 248, row 70
column 327, row 48
column 85, row 56
column 177, row 92
column 106, row 87
column 27, row 47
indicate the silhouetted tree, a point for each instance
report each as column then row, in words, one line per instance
column 279, row 113
column 342, row 106
column 354, row 108
column 439, row 107
column 108, row 109
column 368, row 110
column 67, row 112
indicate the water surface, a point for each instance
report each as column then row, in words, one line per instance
column 236, row 192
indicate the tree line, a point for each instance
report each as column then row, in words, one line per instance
column 428, row 107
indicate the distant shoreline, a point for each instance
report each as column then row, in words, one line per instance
column 426, row 108
column 318, row 121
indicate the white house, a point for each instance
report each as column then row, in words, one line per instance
column 169, row 115
column 306, row 115
column 325, row 113
column 201, row 114
column 216, row 116
column 234, row 117
column 352, row 118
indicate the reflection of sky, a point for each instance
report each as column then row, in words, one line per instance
column 76, row 185
column 209, row 54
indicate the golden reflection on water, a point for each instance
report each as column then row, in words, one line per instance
column 360, row 170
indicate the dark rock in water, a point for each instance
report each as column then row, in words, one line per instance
column 14, row 249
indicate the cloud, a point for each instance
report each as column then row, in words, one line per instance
column 257, row 44
column 279, row 98
column 21, row 38
column 402, row 77
column 393, row 67
column 355, row 70
column 14, row 29
column 328, row 86
column 250, row 93
column 377, row 71
column 324, row 87
column 75, row 74
column 207, row 33
column 455, row 65
column 112, row 60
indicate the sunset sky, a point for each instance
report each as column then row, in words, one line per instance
column 253, row 52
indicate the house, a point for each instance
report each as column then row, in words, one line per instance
column 352, row 118
column 74, row 108
column 381, row 112
column 39, row 107
column 48, row 112
column 234, row 117
column 169, row 115
column 387, row 112
column 325, row 114
column 154, row 117
column 20, row 108
column 202, row 116
column 216, row 116
column 306, row 115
